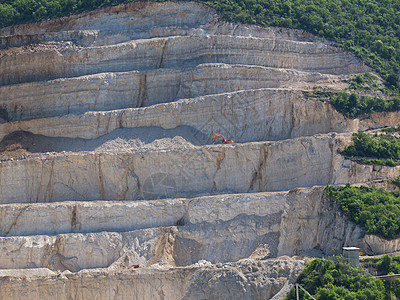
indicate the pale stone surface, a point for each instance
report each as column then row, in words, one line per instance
column 270, row 114
column 236, row 226
column 379, row 120
column 78, row 251
column 61, row 61
column 245, row 279
column 168, row 71
column 97, row 216
column 171, row 246
column 118, row 90
column 309, row 221
column 157, row 35
column 250, row 167
column 377, row 245
column 244, row 116
column 26, row 272
column 139, row 20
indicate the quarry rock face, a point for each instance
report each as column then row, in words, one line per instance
column 111, row 185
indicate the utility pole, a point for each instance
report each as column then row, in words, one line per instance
column 297, row 291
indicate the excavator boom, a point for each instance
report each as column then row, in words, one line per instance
column 224, row 140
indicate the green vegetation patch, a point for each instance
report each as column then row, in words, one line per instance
column 396, row 181
column 369, row 28
column 391, row 129
column 385, row 265
column 376, row 210
column 328, row 280
column 381, row 146
column 381, row 162
column 366, row 82
column 352, row 105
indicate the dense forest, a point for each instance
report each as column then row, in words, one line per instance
column 369, row 28
column 334, row 280
column 376, row 210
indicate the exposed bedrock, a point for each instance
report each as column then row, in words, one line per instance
column 108, row 91
column 313, row 221
column 245, row 279
column 134, row 20
column 62, row 60
column 253, row 115
column 255, row 225
column 142, row 36
column 78, row 37
column 172, row 246
column 230, row 233
column 106, row 122
column 301, row 162
column 138, row 20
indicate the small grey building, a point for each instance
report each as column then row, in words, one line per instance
column 351, row 254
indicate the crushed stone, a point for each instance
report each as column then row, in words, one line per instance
column 23, row 144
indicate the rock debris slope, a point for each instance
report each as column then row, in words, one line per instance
column 106, row 157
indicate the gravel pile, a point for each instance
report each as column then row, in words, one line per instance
column 120, row 140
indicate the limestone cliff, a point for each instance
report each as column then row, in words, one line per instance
column 106, row 156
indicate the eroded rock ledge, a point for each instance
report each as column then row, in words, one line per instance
column 150, row 174
column 106, row 118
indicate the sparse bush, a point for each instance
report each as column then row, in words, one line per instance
column 364, row 81
column 396, row 181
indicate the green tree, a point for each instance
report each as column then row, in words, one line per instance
column 7, row 14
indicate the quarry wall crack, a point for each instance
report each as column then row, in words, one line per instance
column 50, row 184
column 142, row 92
column 101, row 178
column 16, row 219
column 257, row 175
column 164, row 49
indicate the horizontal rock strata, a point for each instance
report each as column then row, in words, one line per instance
column 244, row 279
column 244, row 116
column 265, row 225
column 59, row 60
column 142, row 89
column 252, row 167
column 106, row 122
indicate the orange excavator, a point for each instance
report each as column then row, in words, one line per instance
column 224, row 140
column 134, row 266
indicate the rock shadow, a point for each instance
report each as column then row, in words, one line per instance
column 122, row 139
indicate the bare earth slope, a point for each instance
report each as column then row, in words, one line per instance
column 107, row 161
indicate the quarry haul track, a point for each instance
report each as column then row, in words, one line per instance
column 107, row 162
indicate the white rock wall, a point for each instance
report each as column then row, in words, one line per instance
column 107, row 91
column 244, row 116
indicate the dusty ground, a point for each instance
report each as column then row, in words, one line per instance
column 21, row 144
column 61, row 47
